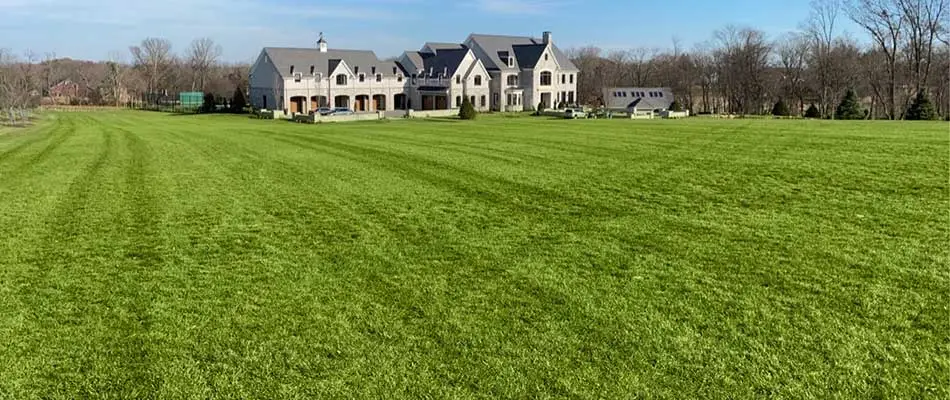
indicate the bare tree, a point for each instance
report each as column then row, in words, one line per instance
column 642, row 66
column 922, row 25
column 742, row 60
column 202, row 57
column 821, row 28
column 154, row 59
column 883, row 20
column 792, row 51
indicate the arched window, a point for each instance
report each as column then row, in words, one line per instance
column 341, row 79
column 512, row 80
column 546, row 78
column 478, row 80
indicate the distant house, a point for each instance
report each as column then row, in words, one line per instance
column 634, row 99
column 500, row 73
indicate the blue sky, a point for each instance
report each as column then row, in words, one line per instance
column 94, row 29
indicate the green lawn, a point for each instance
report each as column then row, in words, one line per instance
column 147, row 255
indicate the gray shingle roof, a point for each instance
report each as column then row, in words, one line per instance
column 492, row 44
column 443, row 46
column 415, row 58
column 303, row 58
column 445, row 61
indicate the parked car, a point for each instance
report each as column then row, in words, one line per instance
column 323, row 111
column 574, row 113
column 342, row 111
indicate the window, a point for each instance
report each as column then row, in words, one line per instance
column 570, row 97
column 563, row 79
column 512, row 80
column 478, row 80
column 362, row 77
column 312, row 69
column 341, row 79
column 511, row 61
column 399, row 78
column 395, row 70
column 660, row 93
column 572, row 78
column 494, row 99
column 545, row 78
column 458, row 101
column 379, row 77
column 484, row 100
column 472, row 100
column 356, row 69
column 545, row 56
column 458, row 79
column 297, row 77
column 318, row 77
column 413, row 79
column 291, row 69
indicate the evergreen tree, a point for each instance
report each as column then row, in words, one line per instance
column 675, row 106
column 209, row 103
column 238, row 101
column 812, row 112
column 781, row 109
column 849, row 107
column 467, row 111
column 921, row 109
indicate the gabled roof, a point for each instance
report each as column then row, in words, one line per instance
column 437, row 47
column 445, row 61
column 492, row 44
column 324, row 63
column 528, row 54
column 415, row 60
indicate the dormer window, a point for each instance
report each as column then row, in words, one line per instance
column 298, row 77
column 291, row 69
column 341, row 79
column 373, row 69
column 511, row 61
column 312, row 69
column 398, row 78
column 379, row 77
column 395, row 70
column 458, row 79
column 356, row 69
column 478, row 80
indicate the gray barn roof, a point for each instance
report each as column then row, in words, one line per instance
column 492, row 44
column 324, row 63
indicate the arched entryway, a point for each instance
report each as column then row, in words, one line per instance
column 341, row 101
column 400, row 101
column 317, row 102
column 297, row 104
column 362, row 103
column 379, row 102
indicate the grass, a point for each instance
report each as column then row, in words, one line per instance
column 155, row 256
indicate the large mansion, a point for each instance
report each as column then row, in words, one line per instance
column 498, row 73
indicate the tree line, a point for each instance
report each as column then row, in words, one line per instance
column 149, row 72
column 740, row 70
